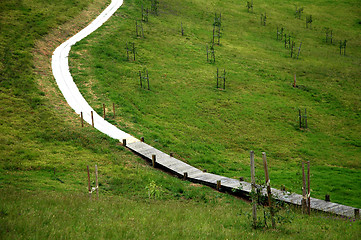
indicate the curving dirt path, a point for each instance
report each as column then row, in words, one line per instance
column 60, row 67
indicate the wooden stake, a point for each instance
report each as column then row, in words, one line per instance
column 124, row 142
column 103, row 110
column 253, row 183
column 357, row 213
column 304, row 194
column 113, row 110
column 90, row 192
column 91, row 113
column 309, row 189
column 327, row 198
column 96, row 181
column 154, row 160
column 82, row 119
column 185, row 176
column 218, row 185
column 269, row 194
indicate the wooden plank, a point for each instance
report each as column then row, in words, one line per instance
column 210, row 179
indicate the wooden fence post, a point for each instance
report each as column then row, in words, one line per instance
column 91, row 113
column 103, row 110
column 185, row 176
column 304, row 194
column 90, row 193
column 253, row 183
column 82, row 119
column 154, row 160
column 124, row 142
column 113, row 110
column 327, row 198
column 218, row 185
column 96, row 181
column 309, row 189
column 269, row 194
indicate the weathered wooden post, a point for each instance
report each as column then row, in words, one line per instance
column 103, row 111
column 82, row 119
column 327, row 198
column 133, row 50
column 253, row 183
column 304, row 194
column 154, row 160
column 92, row 117
column 113, row 110
column 309, row 189
column 124, row 142
column 269, row 194
column 218, row 185
column 185, row 176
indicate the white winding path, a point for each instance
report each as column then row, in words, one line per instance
column 60, row 66
column 74, row 98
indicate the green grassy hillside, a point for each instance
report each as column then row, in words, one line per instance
column 215, row 129
column 44, row 153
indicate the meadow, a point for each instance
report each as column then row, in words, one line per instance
column 214, row 128
column 44, row 152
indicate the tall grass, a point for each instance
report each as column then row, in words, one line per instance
column 63, row 216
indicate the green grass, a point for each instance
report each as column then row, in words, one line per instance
column 44, row 152
column 214, row 129
column 57, row 216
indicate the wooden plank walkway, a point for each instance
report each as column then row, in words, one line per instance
column 72, row 95
column 178, row 167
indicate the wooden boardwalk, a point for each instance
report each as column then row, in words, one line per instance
column 179, row 168
column 72, row 95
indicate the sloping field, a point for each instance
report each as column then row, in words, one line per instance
column 214, row 129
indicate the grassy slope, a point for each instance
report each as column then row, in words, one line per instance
column 214, row 130
column 39, row 133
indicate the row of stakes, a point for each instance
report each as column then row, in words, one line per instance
column 305, row 193
column 92, row 115
column 302, row 117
